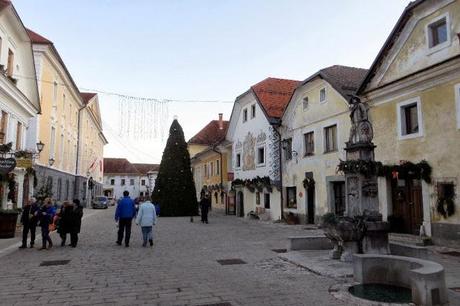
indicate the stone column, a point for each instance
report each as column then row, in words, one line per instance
column 426, row 202
column 31, row 186
column 20, row 174
column 385, row 203
column 4, row 194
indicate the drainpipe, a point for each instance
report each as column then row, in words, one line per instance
column 76, row 194
column 276, row 125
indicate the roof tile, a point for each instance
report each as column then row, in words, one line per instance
column 210, row 134
column 119, row 166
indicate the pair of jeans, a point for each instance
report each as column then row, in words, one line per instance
column 147, row 233
column 124, row 227
column 29, row 227
column 46, row 236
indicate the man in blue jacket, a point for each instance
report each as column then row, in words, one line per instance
column 124, row 215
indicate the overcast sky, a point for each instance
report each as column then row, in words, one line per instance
column 201, row 50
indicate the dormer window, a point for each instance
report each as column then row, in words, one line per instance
column 322, row 95
column 305, row 103
column 245, row 115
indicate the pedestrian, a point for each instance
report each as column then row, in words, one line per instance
column 78, row 215
column 46, row 215
column 124, row 215
column 204, row 206
column 29, row 222
column 146, row 219
column 66, row 222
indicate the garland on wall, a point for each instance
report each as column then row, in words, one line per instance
column 308, row 182
column 405, row 170
column 258, row 183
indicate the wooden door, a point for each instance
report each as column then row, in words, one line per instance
column 407, row 206
column 339, row 197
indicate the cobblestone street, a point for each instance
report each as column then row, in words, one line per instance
column 181, row 269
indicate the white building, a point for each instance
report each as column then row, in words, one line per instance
column 256, row 146
column 316, row 125
column 19, row 100
column 120, row 175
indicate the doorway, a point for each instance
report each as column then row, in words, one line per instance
column 240, row 203
column 310, row 198
column 407, row 206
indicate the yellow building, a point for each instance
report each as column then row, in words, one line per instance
column 209, row 161
column 91, row 147
column 413, row 92
column 57, row 124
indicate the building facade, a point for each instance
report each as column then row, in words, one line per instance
column 19, row 104
column 209, row 165
column 413, row 93
column 256, row 147
column 57, row 126
column 316, row 125
column 148, row 175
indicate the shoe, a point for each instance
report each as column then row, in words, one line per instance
column 42, row 248
column 127, row 245
column 62, row 243
column 50, row 245
column 23, row 246
column 118, row 242
column 31, row 246
column 151, row 242
column 69, row 244
column 144, row 244
column 74, row 245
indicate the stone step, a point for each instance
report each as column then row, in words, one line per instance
column 409, row 239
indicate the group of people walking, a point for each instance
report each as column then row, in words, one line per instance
column 67, row 220
column 145, row 216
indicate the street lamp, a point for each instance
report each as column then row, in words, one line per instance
column 51, row 161
column 40, row 146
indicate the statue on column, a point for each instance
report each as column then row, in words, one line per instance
column 361, row 129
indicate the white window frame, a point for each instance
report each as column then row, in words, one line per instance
column 305, row 145
column 253, row 107
column 324, row 135
column 245, row 115
column 236, row 160
column 457, row 103
column 325, row 95
column 402, row 104
column 257, row 155
column 440, row 46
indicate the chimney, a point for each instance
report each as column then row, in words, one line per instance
column 221, row 123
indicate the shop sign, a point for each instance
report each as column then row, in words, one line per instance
column 7, row 165
column 24, row 163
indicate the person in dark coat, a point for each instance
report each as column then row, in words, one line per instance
column 124, row 215
column 29, row 222
column 78, row 214
column 67, row 221
column 45, row 216
column 205, row 203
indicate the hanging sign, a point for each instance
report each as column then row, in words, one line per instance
column 7, row 165
column 24, row 163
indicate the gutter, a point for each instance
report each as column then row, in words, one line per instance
column 78, row 152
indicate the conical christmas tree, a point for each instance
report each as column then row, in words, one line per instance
column 174, row 187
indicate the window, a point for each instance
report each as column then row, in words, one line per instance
column 409, row 119
column 267, row 200
column 131, row 182
column 305, row 103
column 253, row 111
column 218, row 167
column 19, row 136
column 10, row 68
column 52, row 142
column 143, row 182
column 61, row 151
column 261, row 156
column 112, row 182
column 211, row 172
column 288, row 149
column 330, row 138
column 245, row 115
column 123, row 182
column 291, row 197
column 205, row 170
column 437, row 32
column 3, row 127
column 322, row 95
column 238, row 160
column 59, row 187
column 309, row 143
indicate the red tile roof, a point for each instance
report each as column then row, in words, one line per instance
column 4, row 4
column 210, row 134
column 87, row 96
column 144, row 168
column 274, row 94
column 37, row 38
column 119, row 166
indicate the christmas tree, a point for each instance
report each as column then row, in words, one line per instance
column 174, row 187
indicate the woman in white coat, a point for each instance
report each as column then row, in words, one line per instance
column 146, row 219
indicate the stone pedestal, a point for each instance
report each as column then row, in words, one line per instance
column 376, row 239
column 349, row 248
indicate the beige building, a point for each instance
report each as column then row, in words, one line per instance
column 57, row 124
column 413, row 92
column 316, row 125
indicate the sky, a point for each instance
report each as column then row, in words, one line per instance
column 199, row 50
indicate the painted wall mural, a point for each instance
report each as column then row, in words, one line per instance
column 274, row 154
column 249, row 154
